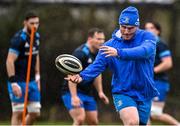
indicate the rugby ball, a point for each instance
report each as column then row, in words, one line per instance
column 68, row 64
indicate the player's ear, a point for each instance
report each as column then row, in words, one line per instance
column 90, row 38
column 158, row 32
column 25, row 22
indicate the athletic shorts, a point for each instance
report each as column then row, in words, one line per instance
column 163, row 88
column 88, row 102
column 143, row 107
column 33, row 92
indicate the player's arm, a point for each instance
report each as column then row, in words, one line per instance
column 13, row 54
column 166, row 64
column 14, row 51
column 75, row 100
column 141, row 52
column 11, row 58
column 98, row 85
column 37, row 72
column 166, row 59
column 92, row 71
column 37, row 68
column 145, row 50
column 73, row 91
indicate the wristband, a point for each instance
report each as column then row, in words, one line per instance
column 15, row 84
column 37, row 77
column 12, row 79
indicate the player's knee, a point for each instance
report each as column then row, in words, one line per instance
column 80, row 120
column 95, row 122
column 17, row 115
column 154, row 117
column 132, row 121
column 34, row 115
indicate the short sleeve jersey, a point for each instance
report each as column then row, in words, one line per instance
column 20, row 45
column 161, row 52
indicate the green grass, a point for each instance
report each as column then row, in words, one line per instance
column 52, row 123
column 41, row 123
column 70, row 123
column 4, row 122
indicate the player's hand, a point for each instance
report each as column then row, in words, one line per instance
column 74, row 78
column 156, row 70
column 103, row 97
column 16, row 89
column 75, row 101
column 108, row 51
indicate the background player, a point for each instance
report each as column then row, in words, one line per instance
column 163, row 62
column 81, row 103
column 130, row 56
column 16, row 64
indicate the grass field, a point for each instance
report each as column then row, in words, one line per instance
column 68, row 123
column 40, row 123
column 53, row 123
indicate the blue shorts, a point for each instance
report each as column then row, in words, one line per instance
column 33, row 93
column 88, row 102
column 143, row 107
column 163, row 88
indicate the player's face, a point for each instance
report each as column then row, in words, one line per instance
column 32, row 22
column 150, row 27
column 127, row 31
column 97, row 40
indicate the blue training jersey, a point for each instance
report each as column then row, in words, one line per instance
column 162, row 51
column 86, row 57
column 20, row 45
column 133, row 67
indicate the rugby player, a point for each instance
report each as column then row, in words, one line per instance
column 80, row 102
column 163, row 62
column 129, row 54
column 16, row 63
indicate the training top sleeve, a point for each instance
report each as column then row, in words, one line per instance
column 145, row 50
column 163, row 50
column 80, row 55
column 15, row 45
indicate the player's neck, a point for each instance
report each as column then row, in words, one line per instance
column 92, row 50
column 26, row 30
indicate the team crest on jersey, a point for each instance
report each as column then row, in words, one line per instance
column 89, row 60
column 120, row 103
column 26, row 45
column 37, row 42
column 34, row 51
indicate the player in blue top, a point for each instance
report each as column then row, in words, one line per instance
column 129, row 54
column 16, row 64
column 163, row 62
column 81, row 103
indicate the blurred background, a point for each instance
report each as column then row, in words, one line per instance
column 64, row 26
